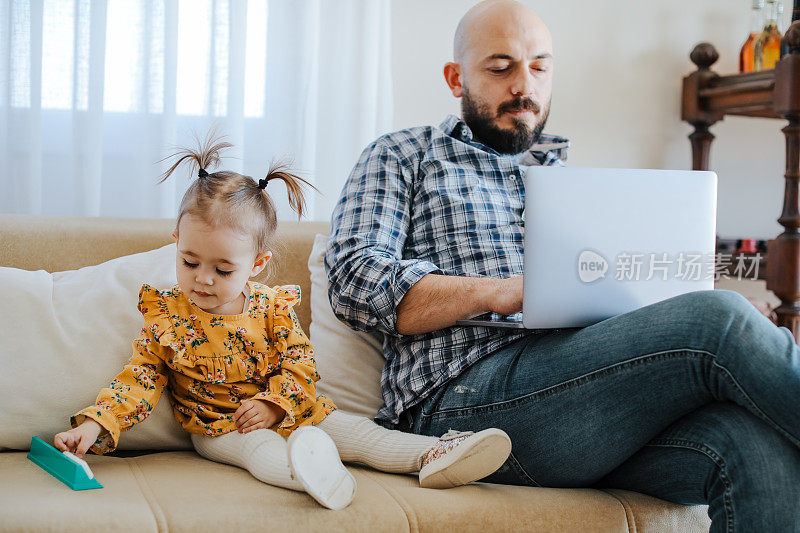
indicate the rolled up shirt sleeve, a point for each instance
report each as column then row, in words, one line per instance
column 364, row 260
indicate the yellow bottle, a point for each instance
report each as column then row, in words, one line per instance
column 767, row 49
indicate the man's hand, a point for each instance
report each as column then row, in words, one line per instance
column 507, row 296
column 79, row 439
column 257, row 414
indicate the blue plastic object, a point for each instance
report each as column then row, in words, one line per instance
column 60, row 466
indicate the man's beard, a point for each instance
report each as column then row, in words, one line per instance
column 521, row 137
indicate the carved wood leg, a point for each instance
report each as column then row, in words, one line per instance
column 783, row 252
column 701, row 145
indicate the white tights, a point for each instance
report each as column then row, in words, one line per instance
column 359, row 440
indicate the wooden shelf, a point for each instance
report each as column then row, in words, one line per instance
column 747, row 95
column 707, row 99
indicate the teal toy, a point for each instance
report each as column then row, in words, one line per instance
column 68, row 469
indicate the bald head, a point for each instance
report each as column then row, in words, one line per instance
column 496, row 18
column 503, row 72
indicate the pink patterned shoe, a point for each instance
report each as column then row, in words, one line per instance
column 463, row 457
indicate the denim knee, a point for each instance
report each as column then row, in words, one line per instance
column 716, row 303
column 717, row 321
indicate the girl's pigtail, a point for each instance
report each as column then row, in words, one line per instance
column 294, row 187
column 206, row 157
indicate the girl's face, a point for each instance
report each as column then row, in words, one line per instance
column 214, row 264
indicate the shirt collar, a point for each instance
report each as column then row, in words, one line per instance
column 548, row 147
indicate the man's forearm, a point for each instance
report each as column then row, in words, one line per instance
column 436, row 301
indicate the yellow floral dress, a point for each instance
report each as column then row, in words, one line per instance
column 211, row 363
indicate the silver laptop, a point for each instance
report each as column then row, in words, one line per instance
column 602, row 242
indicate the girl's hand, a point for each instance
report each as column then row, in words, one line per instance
column 257, row 414
column 79, row 439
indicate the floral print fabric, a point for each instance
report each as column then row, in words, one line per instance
column 211, row 363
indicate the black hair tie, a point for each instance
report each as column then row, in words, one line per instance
column 202, row 173
column 262, row 184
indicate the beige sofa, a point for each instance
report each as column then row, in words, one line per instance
column 180, row 491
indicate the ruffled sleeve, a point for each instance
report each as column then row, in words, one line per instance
column 155, row 312
column 133, row 394
column 292, row 387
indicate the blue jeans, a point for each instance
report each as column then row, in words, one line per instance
column 695, row 400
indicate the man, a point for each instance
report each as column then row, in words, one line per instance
column 693, row 399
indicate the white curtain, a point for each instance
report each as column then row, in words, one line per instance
column 93, row 93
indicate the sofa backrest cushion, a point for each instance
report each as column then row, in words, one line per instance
column 65, row 336
column 349, row 361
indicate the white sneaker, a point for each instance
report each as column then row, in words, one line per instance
column 463, row 457
column 315, row 463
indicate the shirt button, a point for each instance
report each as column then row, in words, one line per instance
column 513, row 176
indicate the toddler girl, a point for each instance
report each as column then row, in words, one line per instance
column 239, row 370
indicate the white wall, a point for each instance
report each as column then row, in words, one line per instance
column 617, row 90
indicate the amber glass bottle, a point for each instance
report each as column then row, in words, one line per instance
column 767, row 50
column 747, row 54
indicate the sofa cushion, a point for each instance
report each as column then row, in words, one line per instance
column 349, row 361
column 179, row 491
column 488, row 507
column 645, row 513
column 33, row 500
column 65, row 336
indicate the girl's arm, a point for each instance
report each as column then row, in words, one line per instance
column 292, row 387
column 129, row 399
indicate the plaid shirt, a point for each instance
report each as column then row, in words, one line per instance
column 423, row 201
